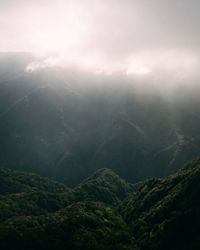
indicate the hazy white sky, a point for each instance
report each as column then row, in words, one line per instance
column 136, row 36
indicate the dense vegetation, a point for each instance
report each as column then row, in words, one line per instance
column 37, row 213
column 29, row 194
column 104, row 186
column 86, row 225
column 103, row 212
column 165, row 213
column 16, row 182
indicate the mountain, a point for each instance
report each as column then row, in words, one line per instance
column 12, row 181
column 43, row 214
column 86, row 225
column 29, row 194
column 66, row 124
column 24, row 193
column 158, row 213
column 165, row 213
column 104, row 186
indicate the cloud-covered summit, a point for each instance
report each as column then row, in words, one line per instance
column 136, row 36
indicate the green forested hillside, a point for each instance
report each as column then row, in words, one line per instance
column 103, row 212
column 165, row 213
column 28, row 194
column 104, row 186
column 54, row 217
column 86, row 225
column 15, row 181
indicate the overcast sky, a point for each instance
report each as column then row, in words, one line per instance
column 139, row 36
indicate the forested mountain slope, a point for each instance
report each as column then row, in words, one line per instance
column 66, row 124
column 58, row 218
column 165, row 213
column 153, row 214
column 28, row 194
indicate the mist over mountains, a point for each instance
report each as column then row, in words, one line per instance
column 99, row 125
column 66, row 123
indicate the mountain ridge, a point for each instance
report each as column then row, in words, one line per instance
column 66, row 124
column 156, row 214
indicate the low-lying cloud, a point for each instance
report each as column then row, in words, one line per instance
column 136, row 37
